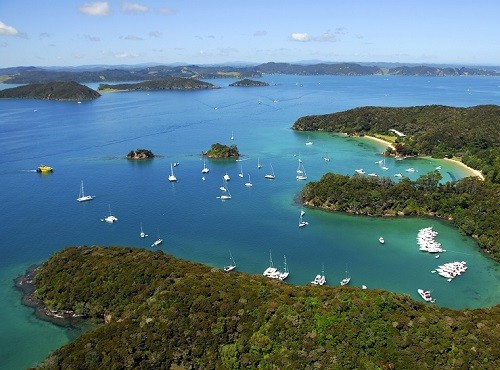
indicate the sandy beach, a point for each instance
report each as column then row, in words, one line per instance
column 470, row 170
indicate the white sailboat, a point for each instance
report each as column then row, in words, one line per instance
column 172, row 177
column 110, row 218
column 271, row 175
column 301, row 172
column 241, row 171
column 284, row 274
column 309, row 142
column 248, row 183
column 82, row 197
column 226, row 195
column 232, row 135
column 157, row 241
column 347, row 278
column 271, row 270
column 232, row 264
column 205, row 169
column 383, row 166
column 302, row 223
column 320, row 279
column 142, row 233
column 259, row 166
column 226, row 177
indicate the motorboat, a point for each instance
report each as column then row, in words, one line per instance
column 44, row 169
column 426, row 295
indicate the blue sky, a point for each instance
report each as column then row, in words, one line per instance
column 74, row 32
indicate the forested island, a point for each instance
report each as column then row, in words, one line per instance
column 170, row 83
column 155, row 311
column 469, row 134
column 59, row 90
column 140, row 154
column 218, row 150
column 87, row 74
column 248, row 83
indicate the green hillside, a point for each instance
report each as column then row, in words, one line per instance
column 164, row 313
column 61, row 90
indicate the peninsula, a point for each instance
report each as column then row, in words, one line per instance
column 67, row 90
column 155, row 311
column 222, row 151
column 170, row 83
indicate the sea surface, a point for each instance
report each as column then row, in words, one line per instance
column 88, row 141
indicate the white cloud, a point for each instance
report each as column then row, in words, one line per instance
column 166, row 11
column 134, row 8
column 7, row 30
column 326, row 37
column 303, row 37
column 97, row 8
column 125, row 55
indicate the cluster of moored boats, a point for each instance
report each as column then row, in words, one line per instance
column 426, row 241
column 274, row 273
column 451, row 270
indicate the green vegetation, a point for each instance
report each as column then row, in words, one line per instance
column 66, row 90
column 140, row 154
column 165, row 313
column 470, row 204
column 248, row 83
column 170, row 83
column 472, row 134
column 222, row 151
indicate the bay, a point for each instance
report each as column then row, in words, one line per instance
column 88, row 141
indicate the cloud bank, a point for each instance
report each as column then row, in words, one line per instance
column 6, row 30
column 97, row 8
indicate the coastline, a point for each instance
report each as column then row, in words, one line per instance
column 470, row 170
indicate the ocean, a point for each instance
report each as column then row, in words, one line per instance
column 88, row 142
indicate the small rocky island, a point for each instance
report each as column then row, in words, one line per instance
column 248, row 83
column 60, row 90
column 169, row 83
column 140, row 154
column 222, row 151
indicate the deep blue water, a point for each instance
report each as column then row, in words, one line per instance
column 88, row 141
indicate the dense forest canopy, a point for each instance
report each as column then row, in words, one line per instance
column 473, row 134
column 68, row 90
column 161, row 312
column 170, row 83
column 218, row 150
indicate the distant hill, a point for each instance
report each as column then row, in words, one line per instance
column 170, row 83
column 68, row 90
column 23, row 75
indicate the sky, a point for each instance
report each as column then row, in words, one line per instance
column 79, row 32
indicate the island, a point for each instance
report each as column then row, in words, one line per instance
column 170, row 83
column 222, row 151
column 139, row 154
column 248, row 83
column 59, row 90
column 151, row 310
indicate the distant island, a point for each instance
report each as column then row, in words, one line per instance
column 140, row 154
column 24, row 75
column 151, row 310
column 222, row 151
column 68, row 90
column 248, row 83
column 169, row 83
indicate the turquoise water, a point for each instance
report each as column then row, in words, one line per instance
column 88, row 142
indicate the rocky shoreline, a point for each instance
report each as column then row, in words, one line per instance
column 24, row 283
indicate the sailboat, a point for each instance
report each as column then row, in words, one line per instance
column 248, row 183
column 309, row 142
column 302, row 223
column 172, row 177
column 143, row 234
column 259, row 166
column 232, row 135
column 347, row 278
column 205, row 169
column 110, row 218
column 320, row 279
column 301, row 172
column 271, row 270
column 226, row 195
column 241, row 171
column 232, row 264
column 271, row 175
column 82, row 197
column 226, row 177
column 383, row 166
column 284, row 274
column 157, row 241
